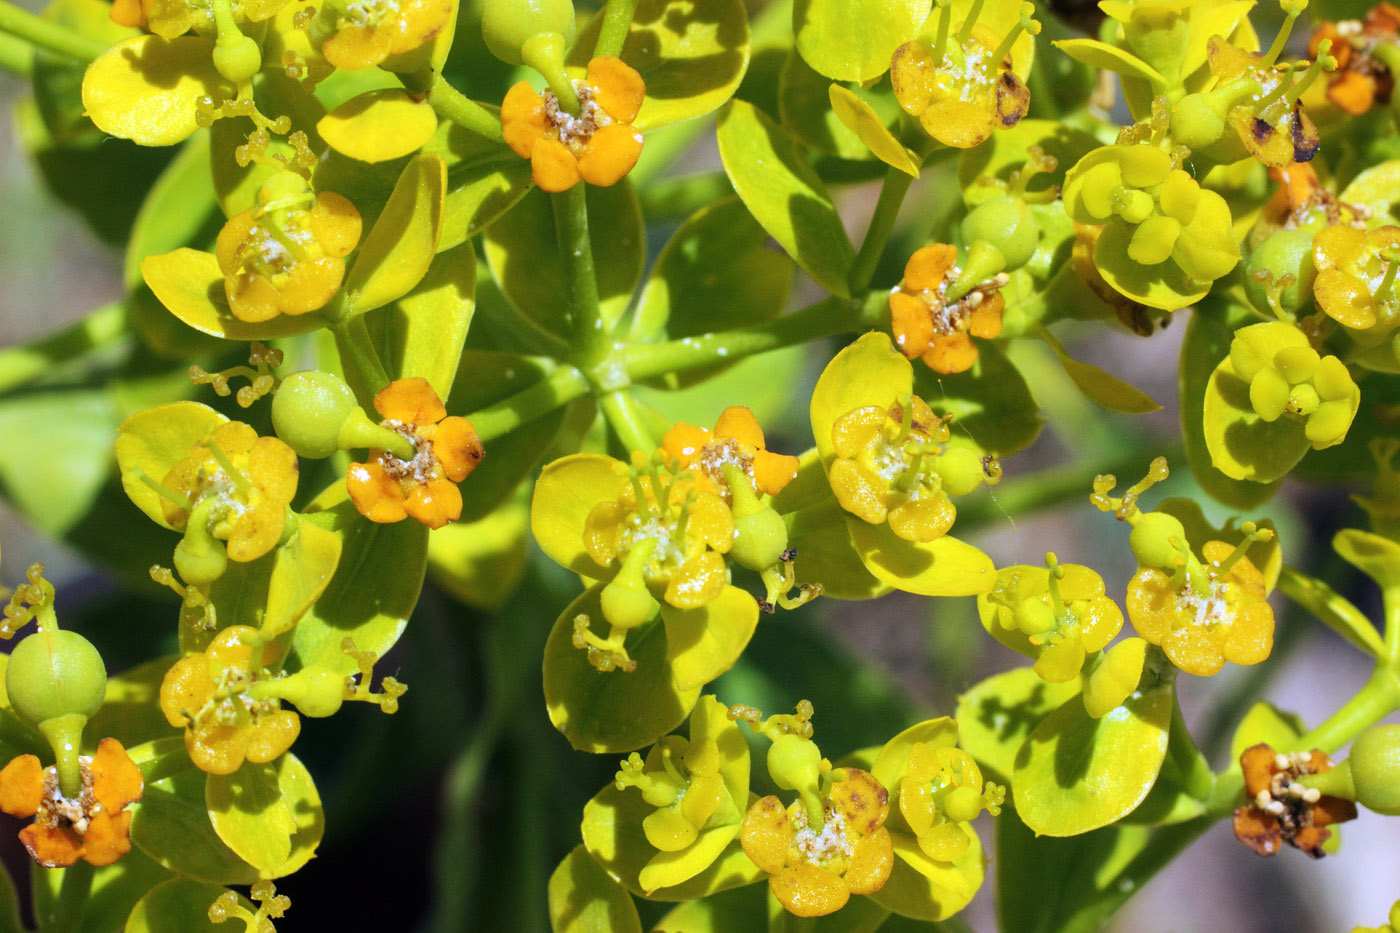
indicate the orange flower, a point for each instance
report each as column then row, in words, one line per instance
column 211, row 695
column 1202, row 624
column 1281, row 809
column 814, row 872
column 1360, row 80
column 363, row 34
column 927, row 324
column 738, row 439
column 387, row 489
column 92, row 827
column 599, row 144
column 1355, row 283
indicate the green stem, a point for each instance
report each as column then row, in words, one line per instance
column 50, row 36
column 20, row 364
column 560, row 387
column 1181, row 749
column 69, row 908
column 452, row 104
column 617, row 20
column 892, row 192
column 626, row 420
column 16, row 55
column 576, row 248
column 1390, row 603
column 363, row 369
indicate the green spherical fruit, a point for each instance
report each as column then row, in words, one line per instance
column 1196, row 121
column 1007, row 224
column 309, row 409
column 319, row 692
column 55, row 673
column 759, row 539
column 1157, row 539
column 1287, row 252
column 237, row 59
column 794, row 763
column 960, row 469
column 1375, row 769
column 506, row 25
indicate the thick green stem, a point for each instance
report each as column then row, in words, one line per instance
column 68, row 910
column 626, row 420
column 16, row 55
column 452, row 104
column 50, row 36
column 363, row 369
column 617, row 20
column 571, row 234
column 558, row 388
column 881, row 223
column 1390, row 602
column 1181, row 749
column 20, row 364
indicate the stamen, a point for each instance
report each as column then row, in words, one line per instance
column 1252, row 533
column 1024, row 24
column 1323, row 62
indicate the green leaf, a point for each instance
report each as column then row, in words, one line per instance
column 991, row 403
column 1374, row 555
column 302, row 568
column 113, row 893
column 190, row 284
column 1098, row 54
column 180, row 210
column 180, row 905
column 715, row 273
column 1104, row 390
column 566, row 491
column 613, row 711
column 925, row 889
column 269, row 814
column 153, row 441
column 524, row 257
column 771, row 175
column 807, row 113
column 484, row 180
column 1242, row 445
column 130, row 710
column 584, row 899
column 374, row 589
column 144, row 88
column 703, row 643
column 996, row 716
column 691, row 54
column 1265, row 723
column 739, row 909
column 942, row 567
column 59, row 454
column 171, row 825
column 1075, row 773
column 481, row 562
column 379, row 125
column 868, row 372
column 1333, row 609
column 854, row 40
column 398, row 249
column 825, row 554
column 869, row 127
column 422, row 333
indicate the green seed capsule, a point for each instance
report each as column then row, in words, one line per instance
column 794, row 763
column 961, row 470
column 1157, row 539
column 55, row 673
column 316, row 691
column 308, row 411
column 1288, row 252
column 1375, row 769
column 1007, row 224
column 506, row 25
column 237, row 59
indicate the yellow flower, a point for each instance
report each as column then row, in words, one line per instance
column 934, row 318
column 941, row 792
column 814, row 872
column 213, row 695
column 171, row 18
column 1355, row 282
column 738, row 439
column 598, row 144
column 94, row 826
column 447, row 449
column 366, row 32
column 287, row 254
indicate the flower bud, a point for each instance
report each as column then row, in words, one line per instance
column 55, row 673
column 308, row 411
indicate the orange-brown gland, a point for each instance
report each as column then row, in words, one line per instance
column 286, row 261
column 91, row 826
column 738, row 439
column 1199, row 632
column 446, row 450
column 1301, row 198
column 877, row 475
column 927, row 325
column 1355, row 283
column 252, row 508
column 598, row 145
column 961, row 99
column 1282, row 810
column 369, row 31
column 206, row 694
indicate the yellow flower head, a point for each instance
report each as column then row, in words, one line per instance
column 936, row 312
column 1360, row 80
column 598, row 144
column 237, row 485
column 963, row 86
column 737, row 439
column 214, row 696
column 1262, row 102
column 1355, row 283
column 92, row 827
column 446, row 450
column 286, row 255
column 942, row 790
column 364, row 33
column 171, row 18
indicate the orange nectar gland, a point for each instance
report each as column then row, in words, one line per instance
column 286, row 255
column 213, row 696
column 737, row 439
column 93, row 825
column 938, row 308
column 598, row 144
column 1283, row 809
column 363, row 33
column 962, row 87
column 446, row 449
column 893, row 465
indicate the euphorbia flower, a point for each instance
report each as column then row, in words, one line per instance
column 286, row 255
column 93, row 826
column 1355, row 283
column 364, row 33
column 938, row 308
column 598, row 144
column 738, row 439
column 214, row 696
column 171, row 18
column 446, row 450
column 1362, row 79
column 1283, row 810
